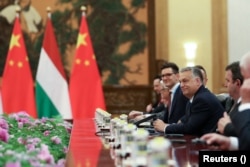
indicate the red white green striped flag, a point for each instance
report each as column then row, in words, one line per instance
column 52, row 94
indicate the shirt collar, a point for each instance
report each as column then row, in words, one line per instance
column 174, row 87
column 239, row 100
column 191, row 100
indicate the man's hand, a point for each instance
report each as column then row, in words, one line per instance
column 221, row 141
column 149, row 108
column 133, row 114
column 223, row 122
column 159, row 125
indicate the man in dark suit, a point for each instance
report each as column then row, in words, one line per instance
column 241, row 121
column 175, row 108
column 157, row 106
column 203, row 110
column 233, row 82
column 177, row 104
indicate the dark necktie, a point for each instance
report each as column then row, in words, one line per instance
column 188, row 107
column 233, row 106
column 169, row 105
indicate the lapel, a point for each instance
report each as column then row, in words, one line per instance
column 174, row 99
column 234, row 109
column 189, row 104
column 188, row 108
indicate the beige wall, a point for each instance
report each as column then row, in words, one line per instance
column 188, row 21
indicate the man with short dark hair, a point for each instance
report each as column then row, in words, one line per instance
column 233, row 82
column 177, row 102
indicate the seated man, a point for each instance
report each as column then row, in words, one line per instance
column 157, row 107
column 165, row 100
column 157, row 89
column 241, row 121
column 203, row 110
column 233, row 82
column 177, row 102
column 161, row 109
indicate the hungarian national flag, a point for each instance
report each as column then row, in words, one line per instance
column 17, row 83
column 86, row 92
column 52, row 93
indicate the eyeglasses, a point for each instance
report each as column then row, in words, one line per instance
column 167, row 75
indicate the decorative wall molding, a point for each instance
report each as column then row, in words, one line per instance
column 123, row 99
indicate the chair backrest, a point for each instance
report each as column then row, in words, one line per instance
column 225, row 100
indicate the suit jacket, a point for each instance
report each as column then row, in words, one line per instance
column 178, row 107
column 201, row 115
column 160, row 110
column 241, row 122
column 228, row 104
column 160, row 107
column 156, row 104
column 229, row 128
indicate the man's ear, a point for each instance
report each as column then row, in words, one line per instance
column 238, row 82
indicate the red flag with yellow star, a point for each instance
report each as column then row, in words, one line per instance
column 85, row 86
column 17, row 82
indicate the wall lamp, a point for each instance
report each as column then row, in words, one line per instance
column 190, row 52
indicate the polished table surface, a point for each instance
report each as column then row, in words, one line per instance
column 87, row 148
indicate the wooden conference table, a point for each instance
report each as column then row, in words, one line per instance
column 86, row 149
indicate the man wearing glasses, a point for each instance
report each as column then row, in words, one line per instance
column 177, row 104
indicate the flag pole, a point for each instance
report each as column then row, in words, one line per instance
column 48, row 9
column 84, row 10
column 18, row 11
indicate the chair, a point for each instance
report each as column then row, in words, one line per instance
column 226, row 101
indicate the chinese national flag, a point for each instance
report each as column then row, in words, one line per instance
column 17, row 82
column 85, row 86
column 1, row 105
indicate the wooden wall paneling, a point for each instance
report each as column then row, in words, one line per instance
column 162, row 30
column 151, row 40
column 123, row 99
column 219, row 43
